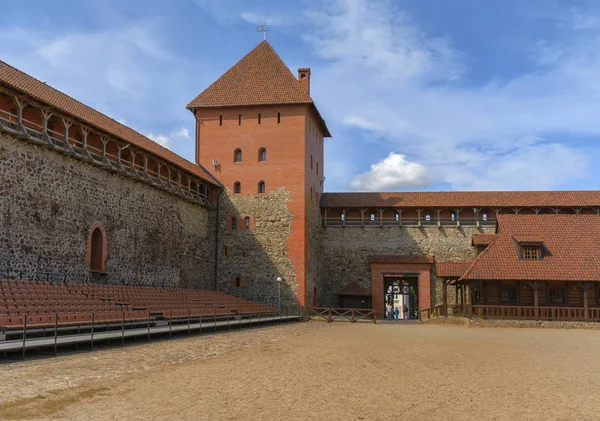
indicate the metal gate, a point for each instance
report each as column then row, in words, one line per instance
column 401, row 294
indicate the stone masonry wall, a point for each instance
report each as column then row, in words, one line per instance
column 346, row 252
column 258, row 255
column 49, row 203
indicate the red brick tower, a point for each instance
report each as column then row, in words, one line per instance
column 258, row 129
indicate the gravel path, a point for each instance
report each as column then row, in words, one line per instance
column 320, row 371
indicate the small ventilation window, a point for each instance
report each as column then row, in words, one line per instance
column 317, row 168
column 239, row 120
column 258, row 118
column 261, row 187
column 220, row 120
column 262, row 154
column 311, row 162
column 237, row 155
column 278, row 118
column 237, row 187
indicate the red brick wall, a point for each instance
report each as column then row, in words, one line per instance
column 289, row 143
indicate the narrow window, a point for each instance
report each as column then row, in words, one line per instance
column 238, row 282
column 239, row 120
column 311, row 162
column 397, row 216
column 261, row 187
column 317, row 168
column 237, row 155
column 234, row 224
column 247, row 223
column 278, row 118
column 258, row 118
column 97, row 251
column 262, row 154
column 226, row 251
column 237, row 187
column 220, row 120
column 452, row 217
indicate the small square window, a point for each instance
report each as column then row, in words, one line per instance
column 532, row 253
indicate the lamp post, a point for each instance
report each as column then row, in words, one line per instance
column 279, row 281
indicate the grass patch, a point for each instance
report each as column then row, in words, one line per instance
column 46, row 405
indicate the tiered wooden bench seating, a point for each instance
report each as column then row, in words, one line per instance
column 47, row 304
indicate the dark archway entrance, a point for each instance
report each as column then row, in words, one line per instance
column 402, row 294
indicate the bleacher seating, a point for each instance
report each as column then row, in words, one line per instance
column 44, row 304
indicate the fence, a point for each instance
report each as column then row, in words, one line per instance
column 22, row 332
column 351, row 315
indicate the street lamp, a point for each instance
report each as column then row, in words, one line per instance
column 279, row 281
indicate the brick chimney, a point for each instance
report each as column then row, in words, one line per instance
column 304, row 78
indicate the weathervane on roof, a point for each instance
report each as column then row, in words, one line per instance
column 263, row 28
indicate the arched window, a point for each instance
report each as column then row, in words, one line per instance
column 261, row 187
column 233, row 223
column 247, row 223
column 237, row 282
column 237, row 187
column 237, row 155
column 428, row 217
column 96, row 250
column 262, row 154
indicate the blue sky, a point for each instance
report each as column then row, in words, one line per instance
column 419, row 95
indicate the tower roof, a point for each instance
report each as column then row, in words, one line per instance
column 259, row 78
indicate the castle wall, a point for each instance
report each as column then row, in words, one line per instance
column 258, row 255
column 49, row 203
column 346, row 252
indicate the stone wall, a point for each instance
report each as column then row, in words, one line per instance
column 258, row 255
column 49, row 203
column 346, row 252
column 314, row 254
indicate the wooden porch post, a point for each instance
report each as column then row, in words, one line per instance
column 585, row 286
column 469, row 304
column 445, row 281
column 536, row 299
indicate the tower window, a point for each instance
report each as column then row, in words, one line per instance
column 233, row 223
column 220, row 120
column 237, row 282
column 317, row 168
column 278, row 118
column 261, row 187
column 247, row 223
column 237, row 155
column 258, row 118
column 262, row 154
column 237, row 187
column 226, row 251
column 239, row 120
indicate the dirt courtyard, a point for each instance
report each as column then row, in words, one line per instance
column 319, row 371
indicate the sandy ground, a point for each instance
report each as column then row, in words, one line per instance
column 320, row 371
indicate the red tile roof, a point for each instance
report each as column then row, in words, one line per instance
column 491, row 199
column 451, row 269
column 482, row 239
column 571, row 249
column 259, row 78
column 354, row 288
column 43, row 93
column 400, row 259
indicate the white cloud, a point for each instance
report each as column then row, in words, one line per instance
column 404, row 90
column 167, row 140
column 392, row 173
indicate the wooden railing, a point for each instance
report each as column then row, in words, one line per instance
column 529, row 313
column 351, row 315
column 430, row 313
